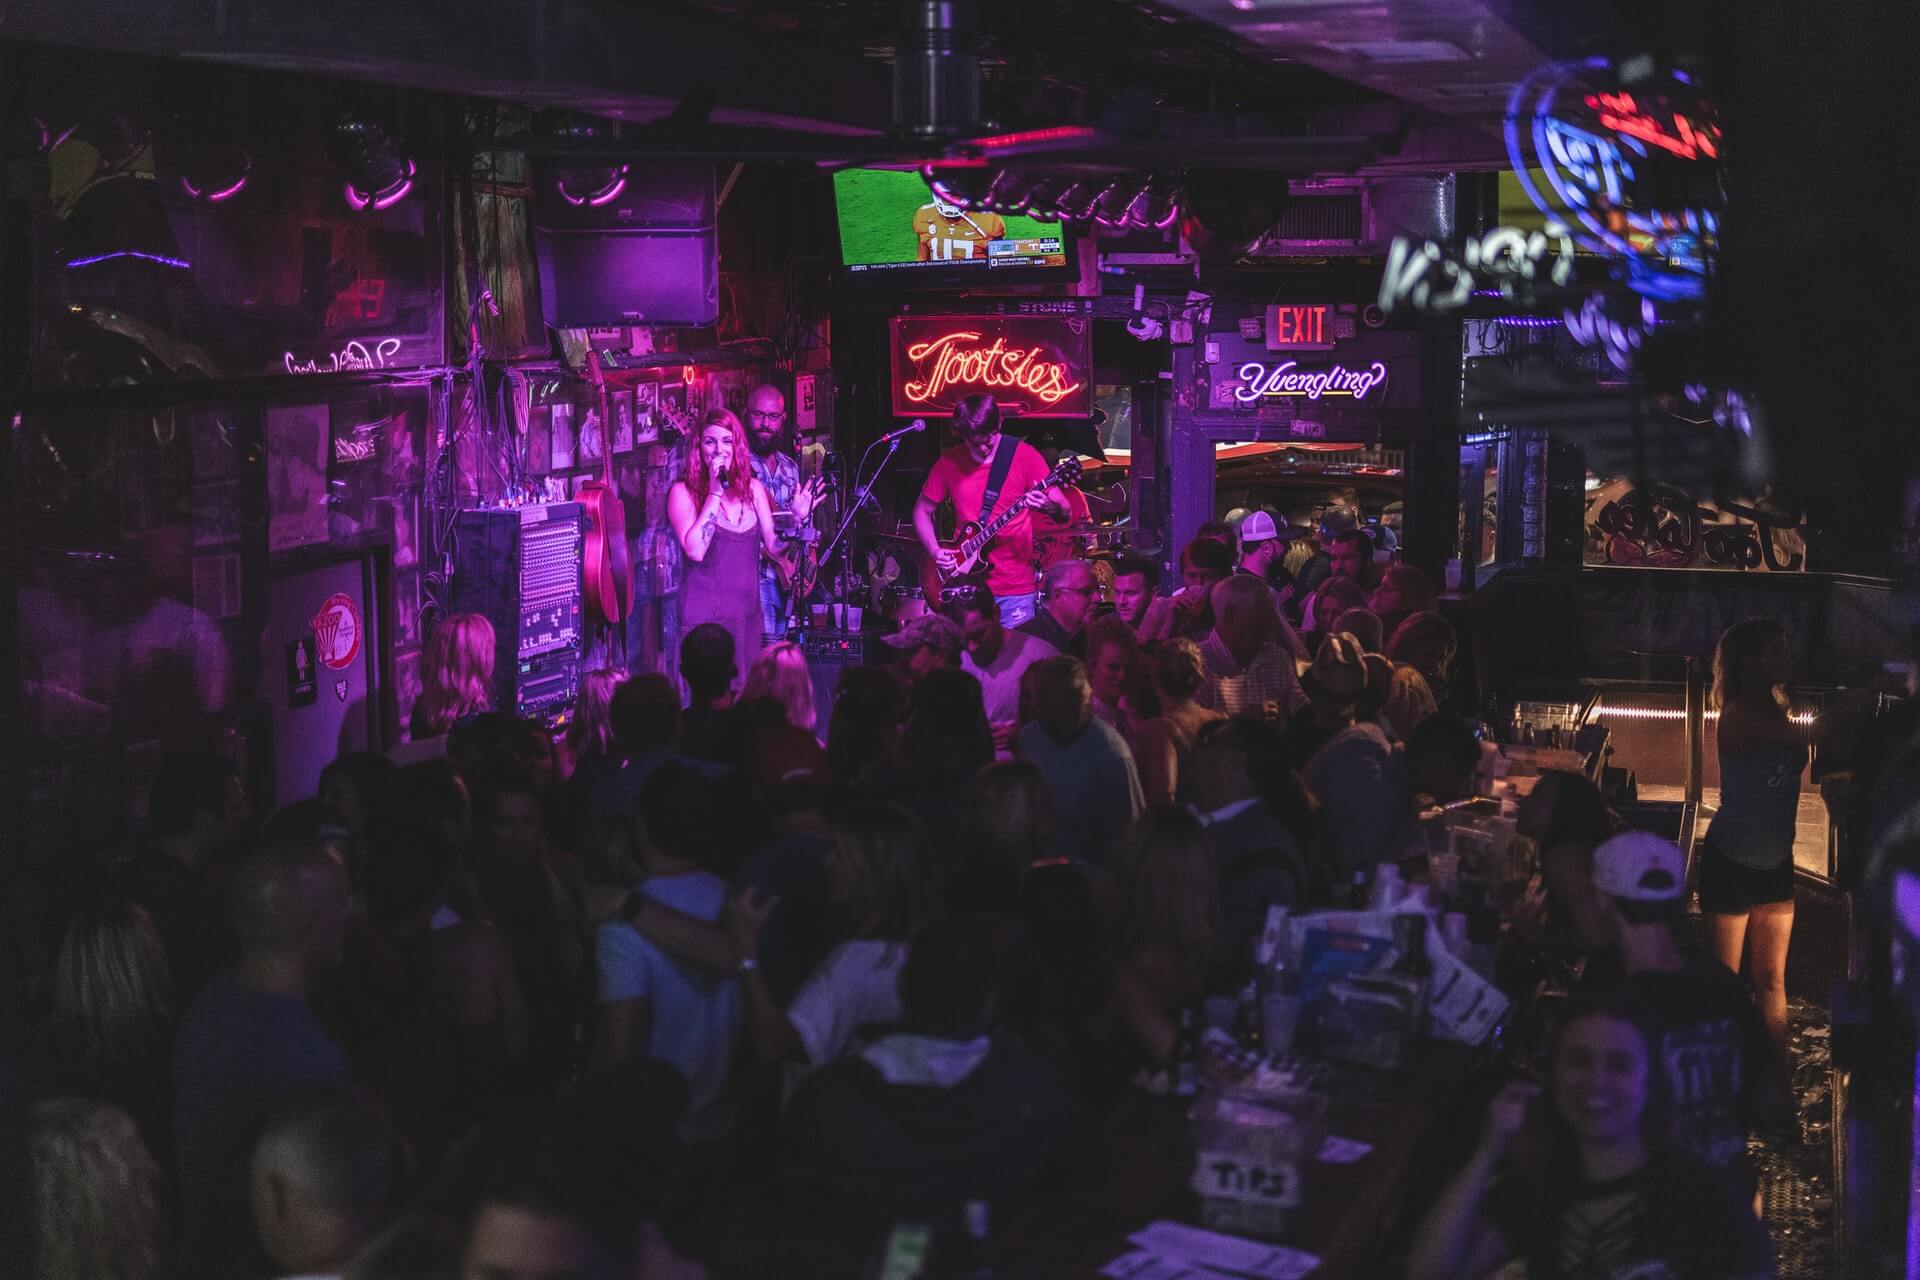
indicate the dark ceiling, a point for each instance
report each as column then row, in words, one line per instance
column 1069, row 61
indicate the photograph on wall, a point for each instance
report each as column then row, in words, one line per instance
column 406, row 610
column 630, row 479
column 539, row 452
column 673, row 408
column 360, row 481
column 216, row 513
column 404, row 432
column 621, row 404
column 564, row 453
column 215, row 455
column 592, row 443
column 554, row 488
column 297, row 438
column 406, row 683
column 406, row 527
column 646, row 413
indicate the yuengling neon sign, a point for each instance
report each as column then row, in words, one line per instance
column 1260, row 381
column 960, row 361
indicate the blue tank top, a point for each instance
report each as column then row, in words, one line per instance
column 1759, row 804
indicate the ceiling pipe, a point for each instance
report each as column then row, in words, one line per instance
column 936, row 70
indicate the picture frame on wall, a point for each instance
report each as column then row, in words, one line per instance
column 646, row 413
column 620, row 403
column 555, row 488
column 673, row 406
column 564, row 452
column 297, row 445
column 539, row 458
column 591, row 443
column 575, row 481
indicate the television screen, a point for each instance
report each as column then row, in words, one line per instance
column 890, row 221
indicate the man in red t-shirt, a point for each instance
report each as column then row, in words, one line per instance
column 960, row 477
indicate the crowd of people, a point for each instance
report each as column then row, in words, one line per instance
column 724, row 982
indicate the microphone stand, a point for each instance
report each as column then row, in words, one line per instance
column 860, row 499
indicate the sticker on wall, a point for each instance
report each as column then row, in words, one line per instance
column 303, row 681
column 340, row 688
column 336, row 628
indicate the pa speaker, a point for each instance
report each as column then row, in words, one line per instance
column 627, row 247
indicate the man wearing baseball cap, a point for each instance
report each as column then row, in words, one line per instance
column 1724, row 1072
column 1261, row 547
column 926, row 643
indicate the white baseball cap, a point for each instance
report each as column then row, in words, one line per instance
column 1640, row 867
column 1257, row 527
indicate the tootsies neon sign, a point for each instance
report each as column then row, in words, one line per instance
column 1036, row 367
column 1259, row 381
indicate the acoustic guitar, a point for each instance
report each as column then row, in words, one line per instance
column 969, row 547
column 606, row 568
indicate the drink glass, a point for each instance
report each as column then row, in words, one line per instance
column 1279, row 1017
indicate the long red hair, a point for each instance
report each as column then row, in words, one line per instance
column 740, row 482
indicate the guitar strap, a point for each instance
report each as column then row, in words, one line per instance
column 997, row 478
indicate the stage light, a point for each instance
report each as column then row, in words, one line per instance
column 378, row 172
column 588, row 184
column 214, row 172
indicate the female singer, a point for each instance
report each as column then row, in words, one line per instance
column 722, row 518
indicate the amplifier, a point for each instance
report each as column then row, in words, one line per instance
column 827, row 652
column 520, row 568
column 848, row 648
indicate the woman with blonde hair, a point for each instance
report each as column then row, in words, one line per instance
column 95, row 1193
column 1169, row 935
column 1161, row 745
column 1427, row 643
column 590, row 736
column 781, row 673
column 113, row 1014
column 722, row 519
column 456, row 674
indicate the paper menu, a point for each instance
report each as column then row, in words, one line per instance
column 1215, row 1252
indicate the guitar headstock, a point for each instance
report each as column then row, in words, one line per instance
column 1066, row 471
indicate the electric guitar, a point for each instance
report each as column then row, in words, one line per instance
column 970, row 545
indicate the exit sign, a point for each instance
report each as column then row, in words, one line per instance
column 1294, row 328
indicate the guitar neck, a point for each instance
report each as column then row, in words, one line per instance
column 999, row 522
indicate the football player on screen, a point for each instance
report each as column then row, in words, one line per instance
column 947, row 232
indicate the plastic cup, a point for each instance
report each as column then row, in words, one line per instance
column 855, row 613
column 819, row 615
column 1279, row 1017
